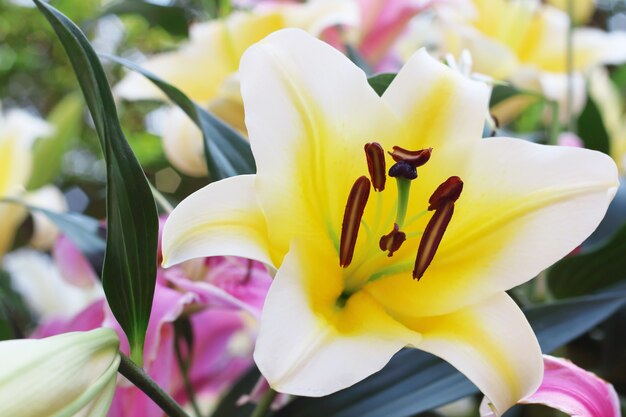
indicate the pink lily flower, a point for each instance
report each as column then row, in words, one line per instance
column 221, row 296
column 572, row 390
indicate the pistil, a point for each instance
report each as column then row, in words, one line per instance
column 404, row 188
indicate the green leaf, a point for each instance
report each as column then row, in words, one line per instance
column 14, row 314
column 129, row 271
column 415, row 381
column 48, row 152
column 82, row 230
column 228, row 407
column 227, row 153
column 595, row 269
column 380, row 82
column 591, row 128
column 355, row 56
column 500, row 93
column 171, row 18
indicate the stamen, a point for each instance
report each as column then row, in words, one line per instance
column 432, row 238
column 391, row 242
column 414, row 158
column 450, row 189
column 357, row 200
column 442, row 201
column 376, row 165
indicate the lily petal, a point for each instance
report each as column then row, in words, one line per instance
column 326, row 112
column 574, row 391
column 441, row 105
column 309, row 346
column 524, row 206
column 492, row 344
column 222, row 218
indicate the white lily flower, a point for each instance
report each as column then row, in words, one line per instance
column 205, row 68
column 47, row 294
column 18, row 131
column 69, row 375
column 524, row 42
column 353, row 286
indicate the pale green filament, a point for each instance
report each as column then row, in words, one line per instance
column 404, row 186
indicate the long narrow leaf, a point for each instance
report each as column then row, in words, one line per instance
column 226, row 152
column 129, row 271
column 590, row 271
column 82, row 230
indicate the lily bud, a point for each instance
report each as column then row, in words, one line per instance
column 65, row 375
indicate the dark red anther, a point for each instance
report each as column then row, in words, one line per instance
column 449, row 190
column 442, row 201
column 432, row 238
column 376, row 165
column 391, row 242
column 357, row 200
column 414, row 158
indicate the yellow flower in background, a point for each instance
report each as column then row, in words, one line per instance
column 609, row 100
column 206, row 67
column 583, row 9
column 18, row 131
column 72, row 374
column 368, row 263
column 524, row 42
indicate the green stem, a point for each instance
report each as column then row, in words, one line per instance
column 555, row 126
column 141, row 380
column 184, row 371
column 571, row 125
column 224, row 8
column 263, row 407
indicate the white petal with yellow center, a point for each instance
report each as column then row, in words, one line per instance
column 308, row 345
column 309, row 112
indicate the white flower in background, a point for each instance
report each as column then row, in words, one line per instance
column 609, row 100
column 72, row 374
column 35, row 276
column 524, row 42
column 205, row 68
column 583, row 9
column 18, row 132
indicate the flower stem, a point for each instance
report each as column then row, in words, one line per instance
column 141, row 380
column 184, row 371
column 571, row 121
column 264, row 404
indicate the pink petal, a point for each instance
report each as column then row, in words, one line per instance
column 575, row 391
column 572, row 390
column 384, row 21
column 228, row 282
column 73, row 266
column 90, row 318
